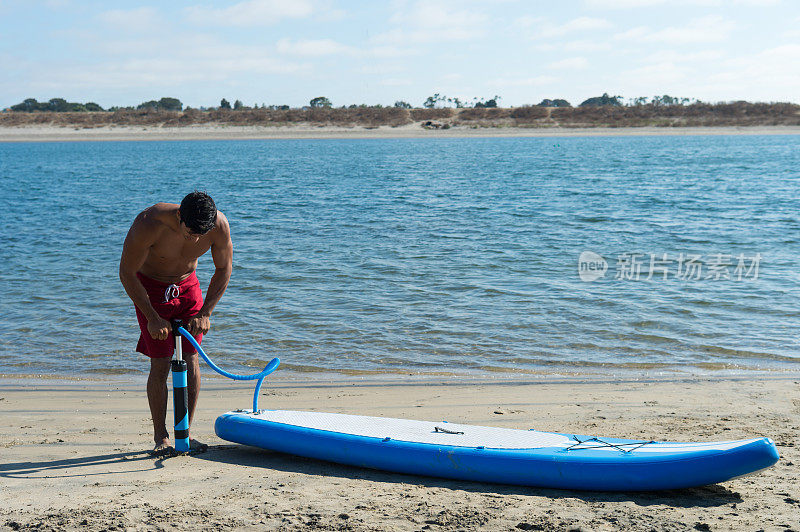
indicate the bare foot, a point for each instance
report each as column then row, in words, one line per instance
column 163, row 446
column 162, row 449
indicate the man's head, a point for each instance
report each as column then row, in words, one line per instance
column 198, row 213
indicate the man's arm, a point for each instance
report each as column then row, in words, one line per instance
column 222, row 253
column 141, row 236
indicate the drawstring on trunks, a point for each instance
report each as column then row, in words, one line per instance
column 171, row 292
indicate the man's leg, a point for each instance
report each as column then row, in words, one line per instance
column 193, row 374
column 157, row 397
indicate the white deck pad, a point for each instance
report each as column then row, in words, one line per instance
column 417, row 431
column 473, row 436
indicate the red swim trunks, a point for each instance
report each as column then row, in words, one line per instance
column 171, row 301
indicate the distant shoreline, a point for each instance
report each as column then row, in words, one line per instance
column 50, row 133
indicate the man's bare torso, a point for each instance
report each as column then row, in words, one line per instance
column 173, row 255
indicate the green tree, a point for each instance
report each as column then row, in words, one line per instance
column 28, row 105
column 558, row 102
column 170, row 104
column 600, row 101
column 152, row 105
column 400, row 104
column 237, row 105
column 667, row 100
column 58, row 105
column 320, row 101
column 489, row 103
column 431, row 102
column 224, row 104
column 55, row 105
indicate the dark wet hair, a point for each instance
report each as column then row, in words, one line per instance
column 198, row 212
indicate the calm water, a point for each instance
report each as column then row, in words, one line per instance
column 420, row 256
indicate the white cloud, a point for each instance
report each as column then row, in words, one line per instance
column 580, row 24
column 396, row 82
column 328, row 47
column 778, row 67
column 436, row 15
column 672, row 56
column 545, row 47
column 625, row 4
column 317, row 48
column 250, row 12
column 535, row 81
column 193, row 59
column 768, row 75
column 433, row 21
column 794, row 33
column 154, row 74
column 136, row 20
column 391, row 52
column 381, row 69
column 632, row 4
column 700, row 30
column 657, row 77
column 527, row 21
column 585, row 46
column 571, row 63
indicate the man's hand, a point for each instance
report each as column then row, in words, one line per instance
column 159, row 328
column 199, row 324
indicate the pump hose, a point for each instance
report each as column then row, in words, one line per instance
column 272, row 366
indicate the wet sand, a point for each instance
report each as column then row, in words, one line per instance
column 74, row 456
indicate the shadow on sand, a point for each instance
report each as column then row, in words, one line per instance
column 55, row 468
column 703, row 497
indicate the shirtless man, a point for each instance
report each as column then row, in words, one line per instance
column 157, row 269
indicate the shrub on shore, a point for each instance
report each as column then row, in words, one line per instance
column 649, row 114
column 54, row 105
column 431, row 114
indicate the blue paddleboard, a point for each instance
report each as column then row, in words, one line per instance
column 498, row 455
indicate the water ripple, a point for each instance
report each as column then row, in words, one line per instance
column 410, row 256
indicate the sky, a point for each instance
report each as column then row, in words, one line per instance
column 289, row 51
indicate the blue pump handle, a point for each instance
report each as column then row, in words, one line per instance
column 272, row 366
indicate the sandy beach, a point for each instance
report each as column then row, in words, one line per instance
column 47, row 133
column 74, row 456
